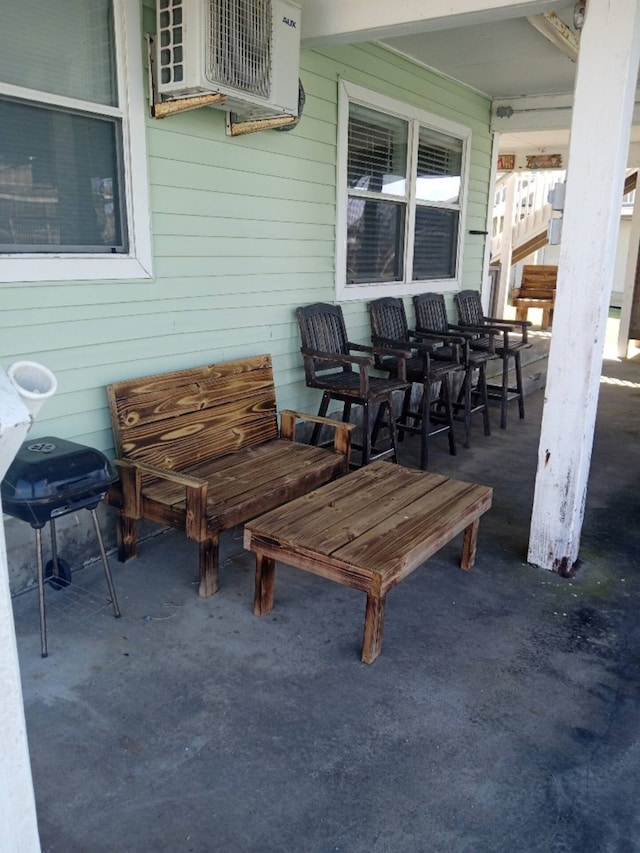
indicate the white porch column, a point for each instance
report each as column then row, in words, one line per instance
column 506, row 244
column 18, row 822
column 605, row 85
column 629, row 280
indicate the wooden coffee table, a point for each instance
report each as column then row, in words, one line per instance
column 368, row 530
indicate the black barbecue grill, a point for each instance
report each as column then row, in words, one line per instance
column 51, row 477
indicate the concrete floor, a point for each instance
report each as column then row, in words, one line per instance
column 503, row 714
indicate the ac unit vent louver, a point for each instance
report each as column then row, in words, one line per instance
column 239, row 52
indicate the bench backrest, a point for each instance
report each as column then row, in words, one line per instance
column 538, row 281
column 177, row 420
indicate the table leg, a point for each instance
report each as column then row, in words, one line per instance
column 469, row 545
column 265, row 577
column 373, row 624
column 209, row 560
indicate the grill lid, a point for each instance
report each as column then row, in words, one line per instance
column 51, row 476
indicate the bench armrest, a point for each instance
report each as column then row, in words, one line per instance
column 342, row 431
column 131, row 472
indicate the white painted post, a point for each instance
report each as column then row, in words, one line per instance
column 629, row 279
column 18, row 822
column 507, row 241
column 605, row 86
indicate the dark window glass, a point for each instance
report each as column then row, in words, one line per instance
column 60, row 174
column 375, row 241
column 435, row 243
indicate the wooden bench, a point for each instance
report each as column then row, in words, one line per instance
column 200, row 450
column 537, row 290
column 369, row 530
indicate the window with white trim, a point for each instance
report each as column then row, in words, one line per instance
column 401, row 192
column 73, row 185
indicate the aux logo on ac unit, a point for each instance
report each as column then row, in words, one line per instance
column 290, row 22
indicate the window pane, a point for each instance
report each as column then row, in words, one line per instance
column 439, row 167
column 61, row 48
column 377, row 158
column 59, row 180
column 436, row 243
column 375, row 241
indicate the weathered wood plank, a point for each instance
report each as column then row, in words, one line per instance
column 194, row 438
column 142, row 401
column 162, row 403
column 421, row 530
column 310, row 519
column 348, row 517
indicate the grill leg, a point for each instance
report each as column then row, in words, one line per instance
column 43, row 619
column 105, row 563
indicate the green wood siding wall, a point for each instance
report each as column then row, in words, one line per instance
column 243, row 232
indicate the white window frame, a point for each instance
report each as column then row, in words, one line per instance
column 137, row 262
column 352, row 93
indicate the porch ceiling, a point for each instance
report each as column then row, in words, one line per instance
column 500, row 54
column 501, row 59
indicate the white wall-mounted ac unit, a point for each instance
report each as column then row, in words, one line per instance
column 246, row 50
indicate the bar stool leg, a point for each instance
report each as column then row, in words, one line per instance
column 484, row 397
column 43, row 619
column 105, row 563
column 465, row 394
column 393, row 428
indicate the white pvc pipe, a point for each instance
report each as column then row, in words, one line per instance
column 34, row 382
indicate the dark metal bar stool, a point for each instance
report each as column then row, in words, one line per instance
column 331, row 366
column 431, row 318
column 427, row 365
column 484, row 329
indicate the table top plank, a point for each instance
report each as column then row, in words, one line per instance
column 358, row 577
column 407, row 538
column 328, row 518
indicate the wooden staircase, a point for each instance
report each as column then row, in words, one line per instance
column 532, row 242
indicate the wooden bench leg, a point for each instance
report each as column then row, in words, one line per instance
column 265, row 578
column 373, row 624
column 126, row 531
column 208, row 568
column 521, row 313
column 546, row 318
column 469, row 545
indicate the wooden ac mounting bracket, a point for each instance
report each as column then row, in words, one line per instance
column 238, row 126
column 162, row 109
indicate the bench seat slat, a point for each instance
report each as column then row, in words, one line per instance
column 256, row 477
